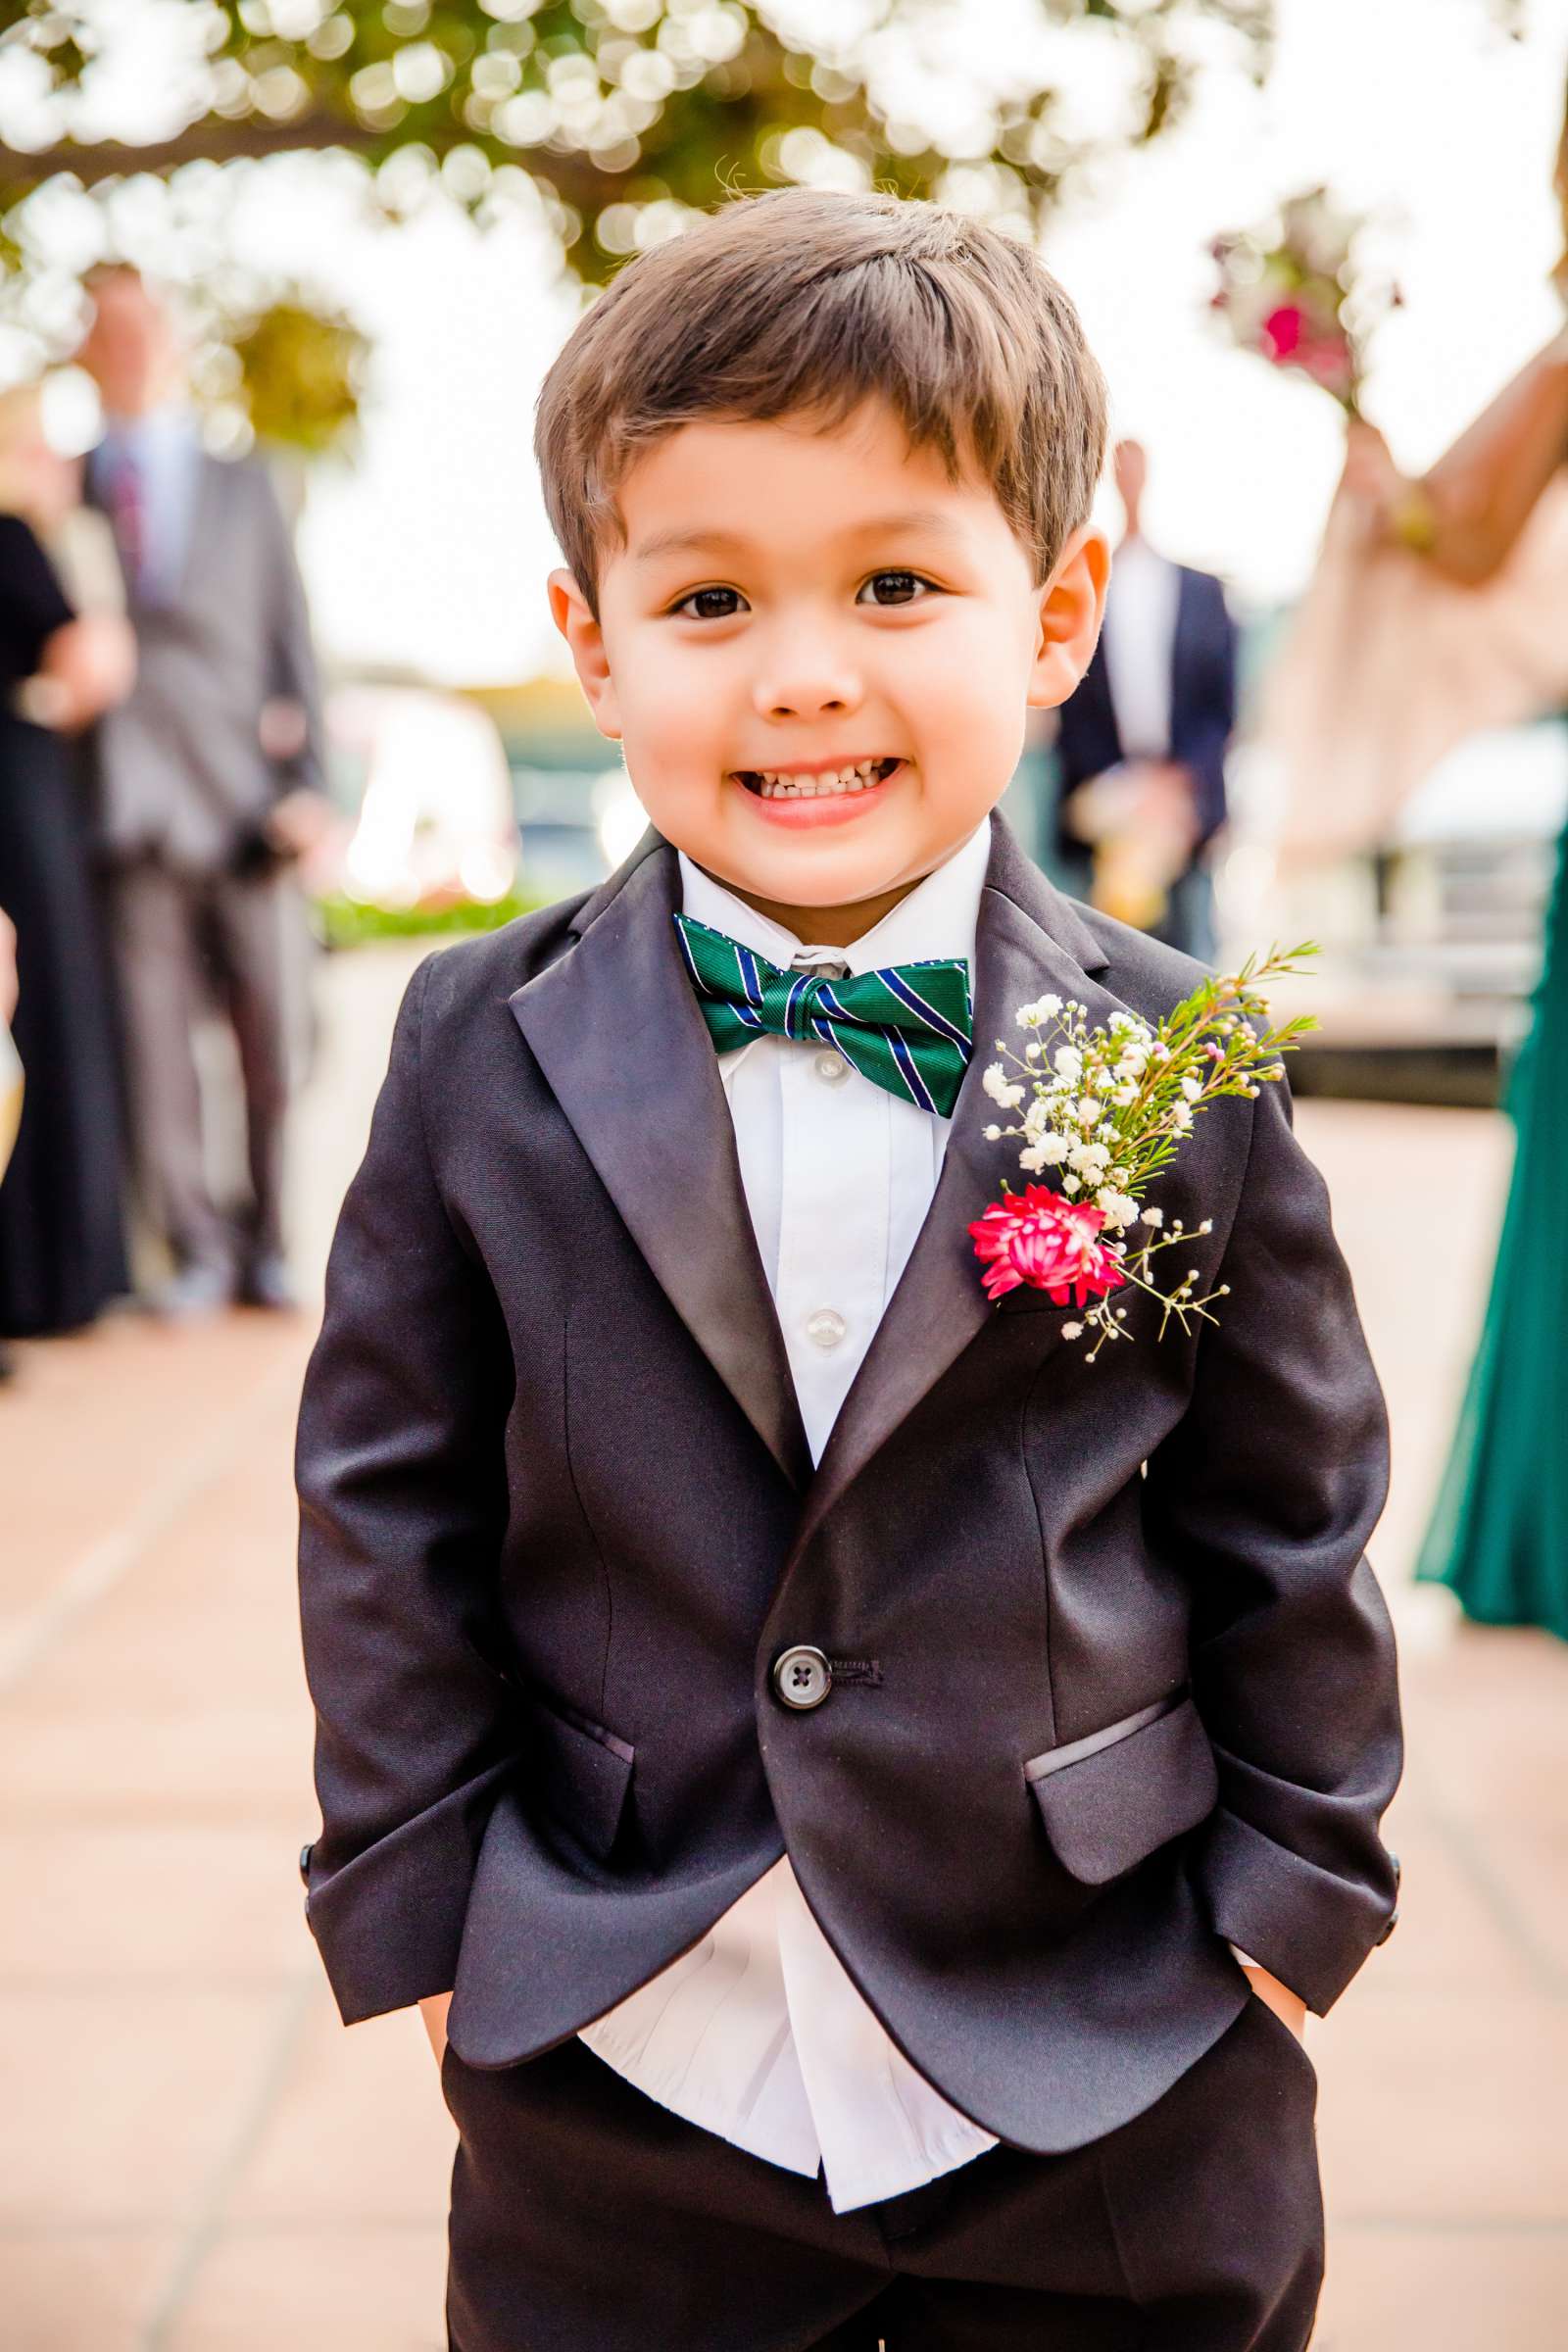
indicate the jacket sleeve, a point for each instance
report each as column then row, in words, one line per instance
column 1264, row 1497
column 403, row 1505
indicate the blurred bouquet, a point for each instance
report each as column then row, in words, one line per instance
column 1140, row 824
column 1295, row 293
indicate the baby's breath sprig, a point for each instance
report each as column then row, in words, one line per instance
column 1104, row 1108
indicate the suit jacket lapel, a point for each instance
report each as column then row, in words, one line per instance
column 1185, row 644
column 615, row 1028
column 1029, row 941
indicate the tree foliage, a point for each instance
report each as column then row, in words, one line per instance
column 621, row 116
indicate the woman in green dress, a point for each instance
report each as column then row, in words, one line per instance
column 1498, row 1533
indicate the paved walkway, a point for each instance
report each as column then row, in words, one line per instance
column 195, row 2158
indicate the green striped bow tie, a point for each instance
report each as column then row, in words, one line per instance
column 907, row 1028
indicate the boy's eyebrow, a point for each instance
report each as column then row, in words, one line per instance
column 678, row 543
column 928, row 519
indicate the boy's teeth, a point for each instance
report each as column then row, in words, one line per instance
column 783, row 784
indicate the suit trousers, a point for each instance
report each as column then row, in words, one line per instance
column 583, row 2214
column 184, row 941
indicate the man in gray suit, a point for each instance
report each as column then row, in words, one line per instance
column 208, row 786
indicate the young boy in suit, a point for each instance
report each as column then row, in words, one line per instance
column 881, row 1789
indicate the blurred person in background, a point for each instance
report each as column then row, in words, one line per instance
column 206, row 781
column 1143, row 741
column 1499, row 1533
column 62, row 1243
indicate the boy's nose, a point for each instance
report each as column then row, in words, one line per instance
column 812, row 684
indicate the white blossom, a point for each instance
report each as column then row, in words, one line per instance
column 992, row 1135
column 1090, row 1159
column 1154, row 1216
column 1181, row 1116
column 1072, row 1330
column 1032, row 1050
column 1121, row 1210
column 1005, row 1094
column 1037, row 1118
column 1068, row 1063
column 1125, row 1095
column 1193, row 1089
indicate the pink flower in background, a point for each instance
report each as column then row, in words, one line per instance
column 1328, row 363
column 1037, row 1237
column 1284, row 329
column 1295, row 290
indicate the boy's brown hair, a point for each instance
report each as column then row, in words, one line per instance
column 807, row 301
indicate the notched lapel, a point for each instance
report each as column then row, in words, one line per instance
column 616, row 1030
column 1029, row 941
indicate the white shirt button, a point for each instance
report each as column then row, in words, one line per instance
column 826, row 1327
column 832, row 1067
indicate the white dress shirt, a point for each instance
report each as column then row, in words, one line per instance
column 758, row 2034
column 1140, row 644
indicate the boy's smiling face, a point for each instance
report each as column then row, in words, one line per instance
column 818, row 652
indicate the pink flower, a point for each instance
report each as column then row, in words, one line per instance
column 1327, row 363
column 1283, row 329
column 1037, row 1237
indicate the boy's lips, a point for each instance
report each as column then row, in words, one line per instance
column 806, row 797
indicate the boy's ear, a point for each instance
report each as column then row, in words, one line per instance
column 1072, row 606
column 573, row 617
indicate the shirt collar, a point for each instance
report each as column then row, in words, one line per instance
column 1136, row 554
column 171, row 427
column 939, row 916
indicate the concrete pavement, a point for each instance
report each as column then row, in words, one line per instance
column 194, row 2157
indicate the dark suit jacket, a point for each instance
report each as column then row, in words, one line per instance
column 179, row 766
column 1202, row 705
column 560, row 1519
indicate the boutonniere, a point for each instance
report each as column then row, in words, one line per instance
column 1104, row 1111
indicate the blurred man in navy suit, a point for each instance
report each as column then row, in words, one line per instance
column 1143, row 741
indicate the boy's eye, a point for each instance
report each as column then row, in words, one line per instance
column 711, row 604
column 894, row 588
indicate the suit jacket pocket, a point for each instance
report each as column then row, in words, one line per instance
column 1112, row 1798
column 584, row 1773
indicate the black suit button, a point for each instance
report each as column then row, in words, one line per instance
column 1389, row 1926
column 801, row 1678
column 306, row 1852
